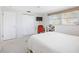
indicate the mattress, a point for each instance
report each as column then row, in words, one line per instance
column 53, row 42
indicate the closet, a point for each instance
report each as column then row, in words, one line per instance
column 25, row 25
column 9, row 25
column 0, row 23
column 14, row 25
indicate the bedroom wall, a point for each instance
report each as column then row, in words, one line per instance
column 68, row 29
column 45, row 20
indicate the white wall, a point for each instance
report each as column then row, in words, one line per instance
column 68, row 29
column 45, row 20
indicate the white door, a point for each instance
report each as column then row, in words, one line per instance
column 0, row 25
column 28, row 23
column 25, row 25
column 9, row 25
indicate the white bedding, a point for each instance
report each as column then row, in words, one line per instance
column 50, row 42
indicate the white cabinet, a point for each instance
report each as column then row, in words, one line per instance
column 9, row 25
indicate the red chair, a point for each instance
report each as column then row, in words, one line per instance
column 41, row 29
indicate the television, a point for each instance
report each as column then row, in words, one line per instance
column 38, row 18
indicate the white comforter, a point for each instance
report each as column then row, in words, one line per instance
column 53, row 42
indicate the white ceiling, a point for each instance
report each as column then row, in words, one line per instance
column 38, row 9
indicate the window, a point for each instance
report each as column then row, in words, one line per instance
column 68, row 18
column 55, row 19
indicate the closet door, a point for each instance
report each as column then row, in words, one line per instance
column 28, row 24
column 0, row 24
column 25, row 25
column 9, row 25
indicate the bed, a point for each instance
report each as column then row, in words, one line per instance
column 53, row 42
